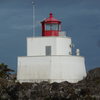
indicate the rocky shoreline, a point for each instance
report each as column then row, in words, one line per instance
column 87, row 89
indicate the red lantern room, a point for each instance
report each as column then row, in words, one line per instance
column 51, row 26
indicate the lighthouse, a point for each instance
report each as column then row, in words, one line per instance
column 51, row 26
column 49, row 56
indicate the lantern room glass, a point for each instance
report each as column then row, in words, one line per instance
column 52, row 27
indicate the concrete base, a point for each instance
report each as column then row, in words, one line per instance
column 51, row 68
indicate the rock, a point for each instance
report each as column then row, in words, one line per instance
column 94, row 73
column 87, row 89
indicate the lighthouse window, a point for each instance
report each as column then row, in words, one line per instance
column 52, row 27
column 48, row 26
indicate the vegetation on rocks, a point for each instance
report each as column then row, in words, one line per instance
column 5, row 71
column 87, row 89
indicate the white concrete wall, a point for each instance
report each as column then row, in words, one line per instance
column 36, row 45
column 60, row 45
column 70, row 68
column 51, row 68
column 63, row 46
column 33, row 68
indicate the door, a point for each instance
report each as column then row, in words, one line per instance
column 48, row 50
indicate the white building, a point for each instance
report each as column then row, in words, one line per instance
column 49, row 57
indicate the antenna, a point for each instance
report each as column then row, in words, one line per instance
column 34, row 23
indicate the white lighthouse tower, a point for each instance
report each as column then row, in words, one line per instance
column 49, row 57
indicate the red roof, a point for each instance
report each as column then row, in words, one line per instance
column 51, row 19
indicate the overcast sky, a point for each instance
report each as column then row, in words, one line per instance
column 80, row 19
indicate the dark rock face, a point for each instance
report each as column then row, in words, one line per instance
column 92, row 74
column 87, row 89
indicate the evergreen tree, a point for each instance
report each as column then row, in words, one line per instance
column 5, row 71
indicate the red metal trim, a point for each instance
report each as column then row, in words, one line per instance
column 50, row 20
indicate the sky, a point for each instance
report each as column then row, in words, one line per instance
column 80, row 19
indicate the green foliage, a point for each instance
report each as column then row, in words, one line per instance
column 5, row 71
